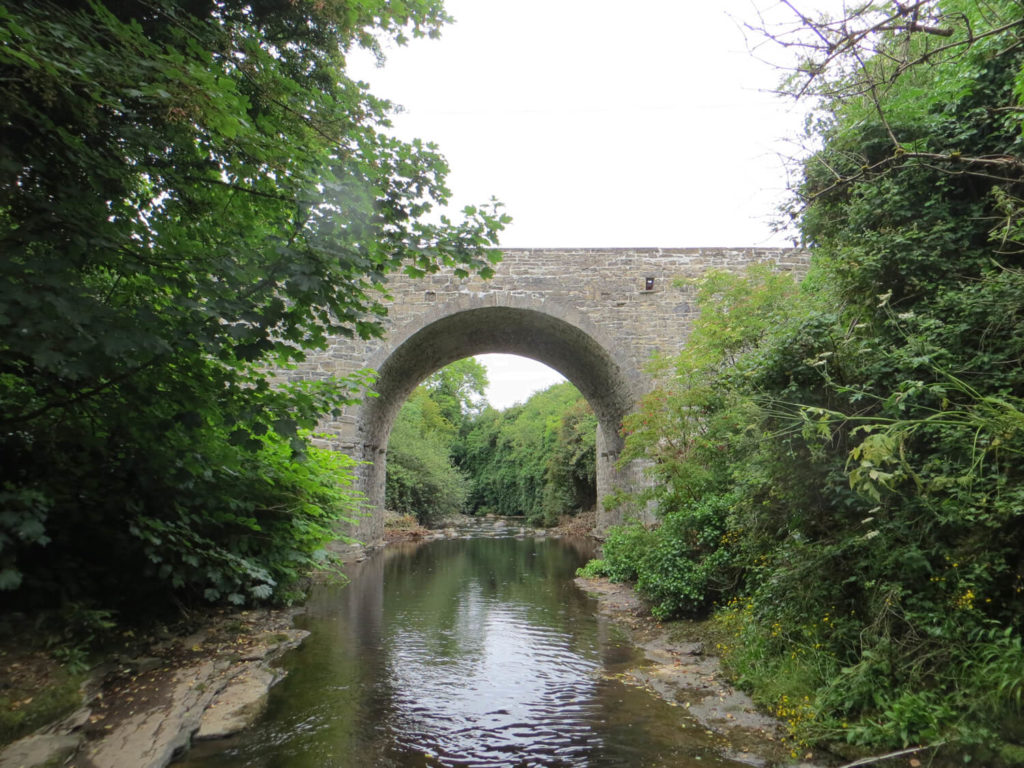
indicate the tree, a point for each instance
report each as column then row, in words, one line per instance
column 458, row 389
column 851, row 472
column 536, row 459
column 912, row 202
column 570, row 475
column 191, row 193
column 424, row 477
column 891, row 82
column 421, row 479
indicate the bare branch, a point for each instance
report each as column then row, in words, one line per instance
column 974, row 166
column 831, row 47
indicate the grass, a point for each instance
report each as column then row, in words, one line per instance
column 45, row 698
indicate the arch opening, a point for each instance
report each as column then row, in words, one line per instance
column 575, row 352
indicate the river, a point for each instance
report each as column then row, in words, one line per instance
column 475, row 651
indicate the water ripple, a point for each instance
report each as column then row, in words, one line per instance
column 461, row 654
column 511, row 687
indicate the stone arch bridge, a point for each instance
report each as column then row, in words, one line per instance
column 594, row 315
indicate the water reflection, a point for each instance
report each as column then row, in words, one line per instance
column 505, row 686
column 467, row 652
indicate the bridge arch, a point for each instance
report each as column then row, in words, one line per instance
column 595, row 315
column 559, row 337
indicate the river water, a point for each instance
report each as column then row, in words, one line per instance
column 475, row 651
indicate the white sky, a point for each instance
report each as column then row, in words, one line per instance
column 513, row 379
column 600, row 123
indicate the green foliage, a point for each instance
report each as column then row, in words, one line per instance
column 191, row 194
column 421, row 479
column 75, row 622
column 622, row 552
column 681, row 566
column 458, row 389
column 282, row 515
column 537, row 459
column 698, row 420
column 686, row 567
column 570, row 477
column 595, row 569
column 919, row 397
column 782, row 665
column 865, row 427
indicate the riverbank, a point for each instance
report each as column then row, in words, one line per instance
column 209, row 678
column 206, row 677
column 144, row 707
column 679, row 669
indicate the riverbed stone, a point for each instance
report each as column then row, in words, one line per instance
column 143, row 712
column 684, row 674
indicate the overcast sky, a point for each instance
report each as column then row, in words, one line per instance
column 600, row 123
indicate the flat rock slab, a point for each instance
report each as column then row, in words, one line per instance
column 144, row 712
column 239, row 703
column 153, row 737
column 40, row 749
column 682, row 674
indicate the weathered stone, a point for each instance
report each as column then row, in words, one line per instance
column 239, row 703
column 152, row 737
column 50, row 745
column 40, row 749
column 151, row 722
column 597, row 316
